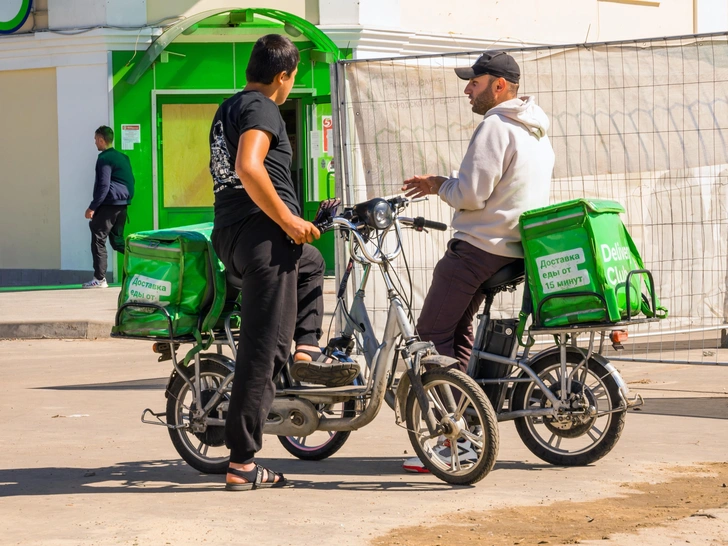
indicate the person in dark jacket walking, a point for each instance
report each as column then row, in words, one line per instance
column 113, row 191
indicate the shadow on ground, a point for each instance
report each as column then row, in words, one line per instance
column 131, row 385
column 705, row 408
column 175, row 476
column 701, row 407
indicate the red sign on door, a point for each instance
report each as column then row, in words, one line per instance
column 328, row 125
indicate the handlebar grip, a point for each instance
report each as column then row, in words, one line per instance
column 420, row 223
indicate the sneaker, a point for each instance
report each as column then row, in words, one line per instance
column 95, row 283
column 465, row 450
column 324, row 370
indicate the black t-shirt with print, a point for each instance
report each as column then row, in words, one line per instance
column 242, row 112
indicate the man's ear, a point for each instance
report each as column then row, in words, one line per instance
column 281, row 77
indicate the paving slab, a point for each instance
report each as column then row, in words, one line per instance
column 58, row 314
column 77, row 467
column 76, row 313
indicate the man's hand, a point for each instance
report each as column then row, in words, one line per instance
column 89, row 214
column 419, row 186
column 300, row 231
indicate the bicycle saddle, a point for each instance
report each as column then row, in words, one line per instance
column 512, row 274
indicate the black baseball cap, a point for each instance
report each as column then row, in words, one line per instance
column 498, row 64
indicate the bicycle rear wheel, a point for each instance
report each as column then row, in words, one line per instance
column 204, row 450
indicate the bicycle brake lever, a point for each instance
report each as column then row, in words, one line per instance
column 325, row 213
column 323, row 220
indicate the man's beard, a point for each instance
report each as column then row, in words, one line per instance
column 484, row 102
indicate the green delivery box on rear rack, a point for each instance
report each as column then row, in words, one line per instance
column 583, row 266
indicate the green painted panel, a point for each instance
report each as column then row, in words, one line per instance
column 321, row 183
column 186, row 217
column 132, row 104
column 204, row 66
column 242, row 54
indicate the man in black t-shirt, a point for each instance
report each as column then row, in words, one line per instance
column 261, row 238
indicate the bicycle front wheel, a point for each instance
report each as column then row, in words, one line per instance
column 466, row 450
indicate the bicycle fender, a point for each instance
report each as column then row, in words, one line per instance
column 402, row 391
column 438, row 360
column 220, row 359
column 403, row 388
column 226, row 361
column 624, row 389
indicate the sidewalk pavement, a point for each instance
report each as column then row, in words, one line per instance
column 77, row 313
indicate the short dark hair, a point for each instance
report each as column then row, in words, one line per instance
column 271, row 55
column 107, row 133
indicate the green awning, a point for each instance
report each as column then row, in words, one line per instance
column 326, row 50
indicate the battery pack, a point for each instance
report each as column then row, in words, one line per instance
column 499, row 338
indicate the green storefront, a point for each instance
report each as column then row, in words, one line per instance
column 164, row 100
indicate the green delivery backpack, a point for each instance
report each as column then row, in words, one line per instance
column 175, row 269
column 578, row 258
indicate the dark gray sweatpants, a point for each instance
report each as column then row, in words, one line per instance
column 453, row 299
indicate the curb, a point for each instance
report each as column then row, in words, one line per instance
column 83, row 329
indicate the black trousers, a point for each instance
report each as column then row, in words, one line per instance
column 108, row 222
column 282, row 297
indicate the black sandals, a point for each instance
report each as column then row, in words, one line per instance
column 255, row 479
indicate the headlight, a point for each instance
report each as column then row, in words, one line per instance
column 376, row 213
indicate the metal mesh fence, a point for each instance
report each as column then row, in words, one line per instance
column 644, row 123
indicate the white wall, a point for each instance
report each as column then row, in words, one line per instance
column 390, row 28
column 380, row 13
column 712, row 16
column 158, row 10
column 551, row 21
column 89, row 13
column 339, row 12
column 374, row 13
column 83, row 106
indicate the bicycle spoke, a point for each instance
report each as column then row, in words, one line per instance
column 455, row 458
column 552, row 378
column 593, row 436
column 447, row 397
column 476, row 440
column 434, row 397
column 462, row 405
column 550, row 441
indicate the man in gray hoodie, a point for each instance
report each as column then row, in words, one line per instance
column 506, row 171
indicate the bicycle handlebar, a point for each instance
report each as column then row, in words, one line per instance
column 421, row 223
column 378, row 257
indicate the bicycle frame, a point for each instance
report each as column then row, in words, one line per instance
column 378, row 355
column 565, row 340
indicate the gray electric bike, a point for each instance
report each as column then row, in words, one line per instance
column 436, row 404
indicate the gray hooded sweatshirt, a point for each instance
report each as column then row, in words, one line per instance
column 506, row 171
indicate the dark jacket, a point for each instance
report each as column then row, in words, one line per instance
column 114, row 183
